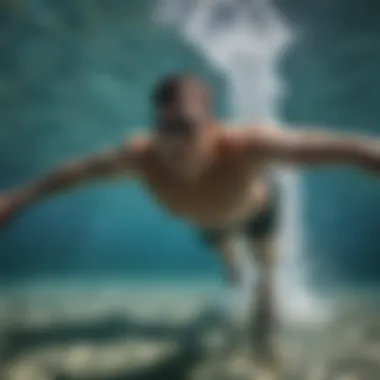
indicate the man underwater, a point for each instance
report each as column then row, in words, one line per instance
column 212, row 177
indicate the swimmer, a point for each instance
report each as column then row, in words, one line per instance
column 213, row 177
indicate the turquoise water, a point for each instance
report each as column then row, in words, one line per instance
column 99, row 280
column 77, row 80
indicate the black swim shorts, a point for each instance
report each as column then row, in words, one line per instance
column 259, row 226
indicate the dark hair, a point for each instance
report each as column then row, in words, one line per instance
column 167, row 89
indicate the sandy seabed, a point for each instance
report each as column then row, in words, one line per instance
column 104, row 331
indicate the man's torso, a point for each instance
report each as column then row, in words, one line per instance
column 231, row 190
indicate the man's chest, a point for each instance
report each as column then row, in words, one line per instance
column 221, row 187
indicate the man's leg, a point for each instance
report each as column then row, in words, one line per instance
column 224, row 244
column 261, row 232
column 227, row 250
column 264, row 316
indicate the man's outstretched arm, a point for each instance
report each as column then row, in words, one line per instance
column 313, row 147
column 113, row 163
column 122, row 161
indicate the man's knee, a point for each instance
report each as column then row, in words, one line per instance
column 266, row 253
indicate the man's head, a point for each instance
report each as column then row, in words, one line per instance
column 181, row 119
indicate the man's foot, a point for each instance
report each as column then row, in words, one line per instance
column 268, row 361
column 262, row 343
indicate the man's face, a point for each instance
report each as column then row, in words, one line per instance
column 181, row 130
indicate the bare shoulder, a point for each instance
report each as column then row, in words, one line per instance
column 245, row 135
column 139, row 146
column 261, row 130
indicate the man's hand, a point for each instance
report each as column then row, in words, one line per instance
column 10, row 205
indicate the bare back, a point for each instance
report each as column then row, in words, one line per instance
column 230, row 190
